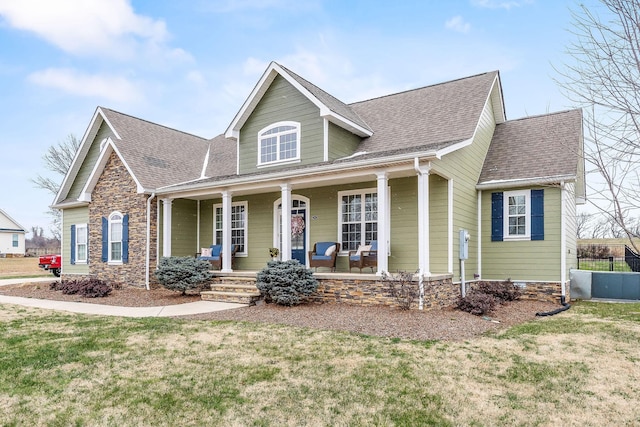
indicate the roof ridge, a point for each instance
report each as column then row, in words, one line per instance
column 153, row 123
column 536, row 116
column 423, row 87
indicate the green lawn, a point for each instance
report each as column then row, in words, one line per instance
column 603, row 265
column 581, row 367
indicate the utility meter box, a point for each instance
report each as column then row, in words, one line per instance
column 464, row 244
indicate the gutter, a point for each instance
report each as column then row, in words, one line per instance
column 148, row 244
column 525, row 182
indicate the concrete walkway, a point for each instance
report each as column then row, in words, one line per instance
column 186, row 309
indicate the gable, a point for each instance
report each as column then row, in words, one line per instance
column 9, row 224
column 282, row 103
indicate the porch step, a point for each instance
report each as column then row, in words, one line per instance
column 241, row 290
column 237, row 297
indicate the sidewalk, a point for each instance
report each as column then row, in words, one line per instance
column 197, row 307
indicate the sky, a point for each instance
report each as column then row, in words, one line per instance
column 191, row 64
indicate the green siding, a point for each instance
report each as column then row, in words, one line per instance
column 184, row 226
column 404, row 224
column 89, row 162
column 342, row 143
column 439, row 224
column 206, row 222
column 464, row 167
column 72, row 216
column 523, row 260
column 282, row 102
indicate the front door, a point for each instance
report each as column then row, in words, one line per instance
column 298, row 230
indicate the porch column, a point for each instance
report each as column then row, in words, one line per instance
column 423, row 218
column 166, row 227
column 383, row 223
column 285, row 250
column 226, row 232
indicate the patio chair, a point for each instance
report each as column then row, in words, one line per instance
column 324, row 254
column 365, row 256
column 214, row 255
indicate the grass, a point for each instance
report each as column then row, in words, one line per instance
column 581, row 367
column 15, row 268
column 603, row 265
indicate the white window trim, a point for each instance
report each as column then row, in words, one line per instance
column 109, row 241
column 15, row 240
column 246, row 226
column 78, row 227
column 505, row 215
column 362, row 193
column 279, row 161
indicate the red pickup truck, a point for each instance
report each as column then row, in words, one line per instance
column 52, row 263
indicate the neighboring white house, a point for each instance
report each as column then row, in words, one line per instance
column 12, row 236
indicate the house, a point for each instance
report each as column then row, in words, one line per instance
column 12, row 236
column 409, row 170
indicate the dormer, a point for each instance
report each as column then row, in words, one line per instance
column 288, row 121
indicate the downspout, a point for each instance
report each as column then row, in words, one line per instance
column 148, row 245
column 563, row 255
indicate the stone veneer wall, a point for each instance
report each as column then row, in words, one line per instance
column 438, row 293
column 539, row 291
column 116, row 191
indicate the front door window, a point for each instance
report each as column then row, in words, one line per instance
column 298, row 230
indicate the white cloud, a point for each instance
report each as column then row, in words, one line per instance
column 458, row 24
column 500, row 4
column 88, row 27
column 112, row 88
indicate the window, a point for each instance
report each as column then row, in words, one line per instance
column 115, row 238
column 79, row 241
column 279, row 142
column 238, row 226
column 358, row 218
column 517, row 215
column 14, row 240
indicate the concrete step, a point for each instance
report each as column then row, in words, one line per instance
column 235, row 287
column 249, row 298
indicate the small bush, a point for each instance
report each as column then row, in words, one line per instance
column 183, row 273
column 402, row 287
column 477, row 303
column 88, row 287
column 286, row 282
column 503, row 291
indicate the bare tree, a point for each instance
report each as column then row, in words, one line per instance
column 57, row 159
column 604, row 78
column 583, row 224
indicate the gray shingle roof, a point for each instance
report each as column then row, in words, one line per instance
column 534, row 147
column 333, row 103
column 157, row 155
column 435, row 116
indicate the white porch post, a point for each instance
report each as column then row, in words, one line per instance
column 383, row 223
column 423, row 218
column 166, row 227
column 285, row 250
column 226, row 232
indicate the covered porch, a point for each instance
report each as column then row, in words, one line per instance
column 406, row 208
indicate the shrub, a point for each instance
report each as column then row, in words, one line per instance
column 402, row 288
column 183, row 273
column 476, row 302
column 503, row 291
column 286, row 282
column 88, row 287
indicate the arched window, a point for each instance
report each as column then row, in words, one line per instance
column 279, row 142
column 115, row 238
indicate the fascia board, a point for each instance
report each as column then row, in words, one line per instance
column 12, row 220
column 524, row 182
column 260, row 89
column 80, row 155
column 306, row 174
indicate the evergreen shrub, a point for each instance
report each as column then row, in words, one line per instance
column 286, row 282
column 183, row 273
